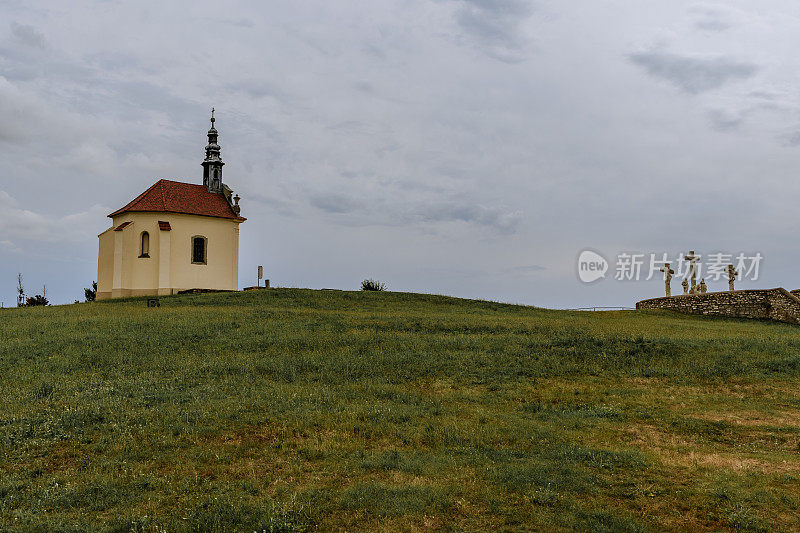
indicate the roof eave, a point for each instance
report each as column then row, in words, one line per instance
column 122, row 211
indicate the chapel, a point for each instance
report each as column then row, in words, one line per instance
column 174, row 237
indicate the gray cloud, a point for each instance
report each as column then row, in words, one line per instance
column 496, row 26
column 28, row 35
column 791, row 139
column 239, row 23
column 109, row 61
column 276, row 204
column 711, row 18
column 527, row 269
column 401, row 211
column 335, row 203
column 260, row 89
column 20, row 226
column 765, row 96
column 693, row 75
column 497, row 218
column 722, row 120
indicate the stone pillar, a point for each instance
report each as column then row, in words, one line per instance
column 116, row 286
column 164, row 265
column 235, row 254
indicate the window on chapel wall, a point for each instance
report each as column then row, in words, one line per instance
column 199, row 250
column 144, row 249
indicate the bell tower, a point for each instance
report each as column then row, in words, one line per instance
column 212, row 165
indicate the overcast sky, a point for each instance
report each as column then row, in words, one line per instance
column 463, row 147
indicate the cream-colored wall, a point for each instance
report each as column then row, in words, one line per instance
column 222, row 247
column 169, row 269
column 143, row 272
column 105, row 264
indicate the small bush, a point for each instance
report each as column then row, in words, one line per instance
column 91, row 294
column 37, row 300
column 372, row 285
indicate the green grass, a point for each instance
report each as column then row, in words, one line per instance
column 298, row 410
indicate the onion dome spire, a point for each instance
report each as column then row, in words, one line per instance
column 212, row 165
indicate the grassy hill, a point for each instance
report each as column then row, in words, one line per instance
column 300, row 410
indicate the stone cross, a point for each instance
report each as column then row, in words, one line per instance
column 668, row 272
column 685, row 285
column 703, row 287
column 692, row 269
column 732, row 273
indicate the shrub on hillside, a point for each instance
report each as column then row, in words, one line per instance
column 372, row 285
column 37, row 300
column 91, row 294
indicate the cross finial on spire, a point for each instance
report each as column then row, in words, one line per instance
column 212, row 116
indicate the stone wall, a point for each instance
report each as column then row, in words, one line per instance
column 776, row 304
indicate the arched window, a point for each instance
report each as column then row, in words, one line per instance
column 199, row 250
column 144, row 250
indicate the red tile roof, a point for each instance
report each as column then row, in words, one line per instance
column 168, row 196
column 122, row 226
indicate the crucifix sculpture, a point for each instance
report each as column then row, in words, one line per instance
column 668, row 272
column 692, row 270
column 732, row 273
